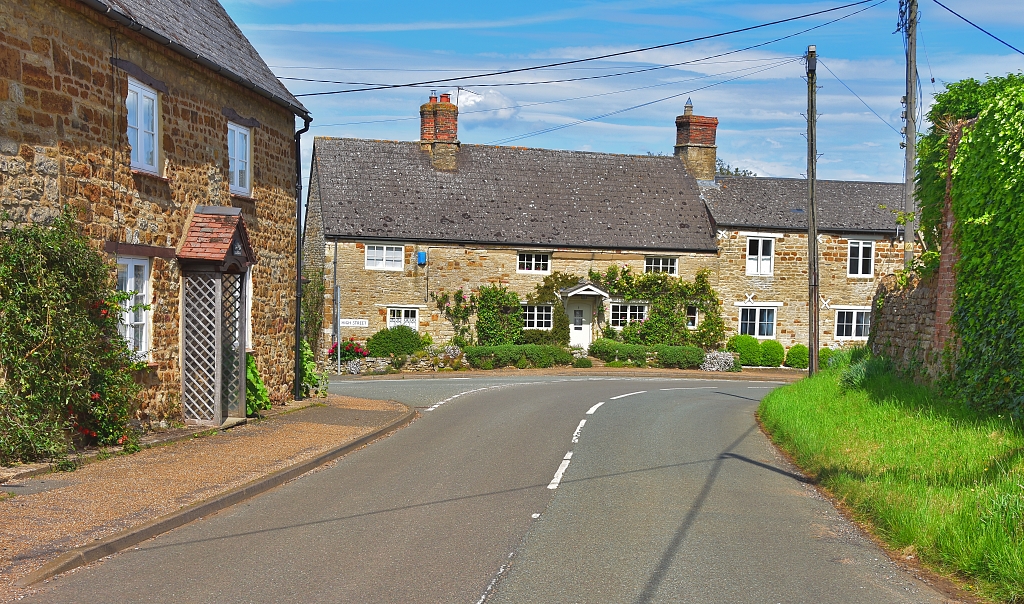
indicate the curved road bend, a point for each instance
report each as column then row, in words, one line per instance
column 523, row 490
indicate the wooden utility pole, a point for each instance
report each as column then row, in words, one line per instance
column 908, row 23
column 812, row 219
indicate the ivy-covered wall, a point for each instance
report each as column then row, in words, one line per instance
column 987, row 364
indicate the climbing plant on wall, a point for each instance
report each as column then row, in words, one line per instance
column 668, row 298
column 987, row 365
column 546, row 292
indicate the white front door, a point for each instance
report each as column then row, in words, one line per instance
column 580, row 315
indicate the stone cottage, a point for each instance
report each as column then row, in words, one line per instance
column 175, row 143
column 399, row 220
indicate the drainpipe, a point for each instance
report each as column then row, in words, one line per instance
column 298, row 257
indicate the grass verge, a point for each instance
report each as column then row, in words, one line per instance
column 930, row 477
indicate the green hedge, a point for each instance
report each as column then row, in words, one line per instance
column 682, row 357
column 399, row 341
column 610, row 350
column 748, row 347
column 799, row 357
column 519, row 355
column 772, row 353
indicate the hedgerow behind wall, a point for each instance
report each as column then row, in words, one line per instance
column 988, row 310
column 65, row 371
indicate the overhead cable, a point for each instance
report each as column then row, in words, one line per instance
column 595, row 58
column 980, row 28
column 891, row 127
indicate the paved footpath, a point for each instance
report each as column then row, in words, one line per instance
column 45, row 517
column 522, row 489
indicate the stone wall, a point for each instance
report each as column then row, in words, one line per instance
column 365, row 294
column 904, row 325
column 788, row 283
column 63, row 140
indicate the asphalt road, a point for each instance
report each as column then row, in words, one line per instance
column 526, row 490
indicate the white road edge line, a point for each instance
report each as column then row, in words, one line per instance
column 594, row 408
column 625, row 395
column 561, row 470
column 694, row 388
column 576, row 434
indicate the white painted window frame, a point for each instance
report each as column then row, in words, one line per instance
column 538, row 316
column 860, row 244
column 656, row 264
column 759, row 312
column 692, row 317
column 863, row 312
column 760, row 265
column 136, row 323
column 627, row 313
column 239, row 161
column 386, row 260
column 404, row 315
column 139, row 131
column 526, row 261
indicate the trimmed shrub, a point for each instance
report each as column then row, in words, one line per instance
column 583, row 363
column 748, row 347
column 799, row 357
column 522, row 356
column 539, row 336
column 398, row 341
column 825, row 358
column 772, row 353
column 683, row 357
column 608, row 350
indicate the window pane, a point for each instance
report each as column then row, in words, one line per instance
column 844, row 324
column 865, row 258
column 148, row 149
column 854, row 257
column 766, row 247
column 231, row 143
column 243, row 175
column 542, row 262
column 242, row 144
column 863, row 324
column 133, row 108
column 766, row 325
column 748, row 321
column 148, row 113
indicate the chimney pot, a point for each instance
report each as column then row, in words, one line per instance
column 445, row 97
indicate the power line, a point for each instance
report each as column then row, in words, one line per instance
column 980, row 28
column 480, row 85
column 436, row 70
column 524, row 105
column 858, row 97
column 595, row 58
column 629, row 109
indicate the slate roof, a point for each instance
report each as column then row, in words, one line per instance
column 202, row 31
column 388, row 190
column 843, row 205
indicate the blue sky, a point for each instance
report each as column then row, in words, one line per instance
column 761, row 114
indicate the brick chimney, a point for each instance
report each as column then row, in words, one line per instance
column 695, row 142
column 439, row 130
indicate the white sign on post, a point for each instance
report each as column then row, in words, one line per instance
column 353, row 322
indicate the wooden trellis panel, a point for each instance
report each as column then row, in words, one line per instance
column 201, row 338
column 233, row 345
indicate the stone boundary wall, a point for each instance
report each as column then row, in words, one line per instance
column 903, row 325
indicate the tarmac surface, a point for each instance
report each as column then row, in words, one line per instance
column 527, row 489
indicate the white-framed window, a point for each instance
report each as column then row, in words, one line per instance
column 861, row 259
column 758, row 321
column 133, row 276
column 623, row 314
column 853, row 324
column 660, row 264
column 385, row 257
column 691, row 317
column 534, row 263
column 760, row 255
column 239, row 156
column 410, row 317
column 536, row 317
column 143, row 127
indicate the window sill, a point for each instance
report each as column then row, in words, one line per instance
column 860, row 276
column 147, row 174
column 386, row 270
column 243, row 196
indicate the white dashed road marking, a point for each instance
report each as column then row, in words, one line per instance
column 625, row 395
column 561, row 470
column 576, row 434
column 594, row 408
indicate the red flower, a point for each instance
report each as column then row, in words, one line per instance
column 95, row 396
column 103, row 313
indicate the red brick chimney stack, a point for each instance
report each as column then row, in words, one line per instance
column 439, row 130
column 695, row 142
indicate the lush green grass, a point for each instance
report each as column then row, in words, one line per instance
column 943, row 481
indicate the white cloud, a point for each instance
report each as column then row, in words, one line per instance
column 486, row 106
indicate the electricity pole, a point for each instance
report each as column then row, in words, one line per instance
column 908, row 22
column 812, row 220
